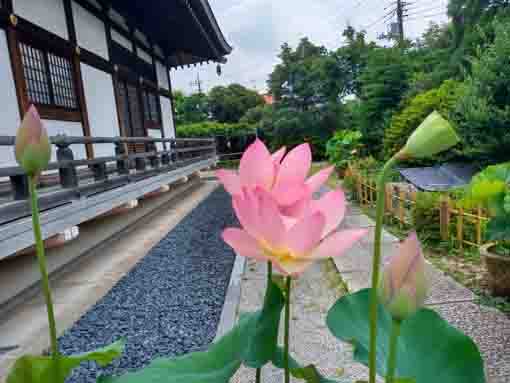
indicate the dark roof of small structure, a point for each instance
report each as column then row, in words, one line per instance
column 186, row 30
column 440, row 178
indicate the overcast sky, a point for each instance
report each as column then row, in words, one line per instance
column 257, row 28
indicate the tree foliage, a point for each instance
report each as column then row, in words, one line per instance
column 229, row 104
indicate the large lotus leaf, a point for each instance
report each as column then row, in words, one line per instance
column 429, row 349
column 40, row 369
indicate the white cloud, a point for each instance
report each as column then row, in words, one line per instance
column 257, row 28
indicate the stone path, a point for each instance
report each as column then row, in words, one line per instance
column 319, row 287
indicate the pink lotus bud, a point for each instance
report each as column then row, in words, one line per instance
column 33, row 150
column 403, row 286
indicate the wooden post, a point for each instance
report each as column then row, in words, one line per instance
column 68, row 173
column 401, row 207
column 460, row 228
column 479, row 226
column 444, row 217
column 358, row 188
column 389, row 201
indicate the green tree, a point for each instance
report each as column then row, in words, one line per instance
column 384, row 81
column 229, row 104
column 190, row 109
column 483, row 114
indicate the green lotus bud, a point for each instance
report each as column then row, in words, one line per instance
column 32, row 150
column 403, row 285
column 433, row 136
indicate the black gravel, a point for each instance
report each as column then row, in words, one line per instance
column 167, row 305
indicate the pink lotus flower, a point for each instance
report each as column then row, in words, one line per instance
column 292, row 245
column 403, row 286
column 284, row 178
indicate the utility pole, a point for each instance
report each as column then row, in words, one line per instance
column 197, row 83
column 400, row 21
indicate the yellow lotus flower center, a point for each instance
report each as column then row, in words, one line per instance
column 281, row 254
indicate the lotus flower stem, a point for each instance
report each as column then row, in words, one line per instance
column 286, row 334
column 381, row 193
column 392, row 359
column 258, row 374
column 32, row 180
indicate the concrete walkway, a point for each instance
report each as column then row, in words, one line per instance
column 316, row 291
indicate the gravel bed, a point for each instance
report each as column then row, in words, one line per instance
column 170, row 303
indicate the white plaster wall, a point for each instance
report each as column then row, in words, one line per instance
column 48, row 14
column 118, row 38
column 144, row 56
column 74, row 129
column 162, row 75
column 101, row 106
column 9, row 103
column 156, row 134
column 168, row 118
column 90, row 31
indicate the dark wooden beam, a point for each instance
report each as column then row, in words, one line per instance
column 4, row 18
column 7, row 4
column 78, row 79
column 71, row 29
column 17, row 69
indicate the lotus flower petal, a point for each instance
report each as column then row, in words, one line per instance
column 337, row 244
column 257, row 167
column 295, row 167
column 278, row 155
column 270, row 225
column 332, row 206
column 230, row 180
column 243, row 244
column 318, row 179
column 306, row 234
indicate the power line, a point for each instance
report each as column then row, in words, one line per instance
column 427, row 16
column 380, row 19
column 421, row 11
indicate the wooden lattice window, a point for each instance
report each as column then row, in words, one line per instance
column 49, row 81
column 152, row 113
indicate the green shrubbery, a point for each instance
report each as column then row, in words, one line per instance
column 426, row 217
column 342, row 147
column 213, row 129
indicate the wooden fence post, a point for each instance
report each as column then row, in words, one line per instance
column 460, row 228
column 389, row 201
column 401, row 209
column 444, row 217
column 479, row 226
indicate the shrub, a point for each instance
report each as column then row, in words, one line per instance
column 426, row 217
column 230, row 138
column 342, row 147
column 213, row 129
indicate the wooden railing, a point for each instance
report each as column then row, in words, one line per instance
column 68, row 178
